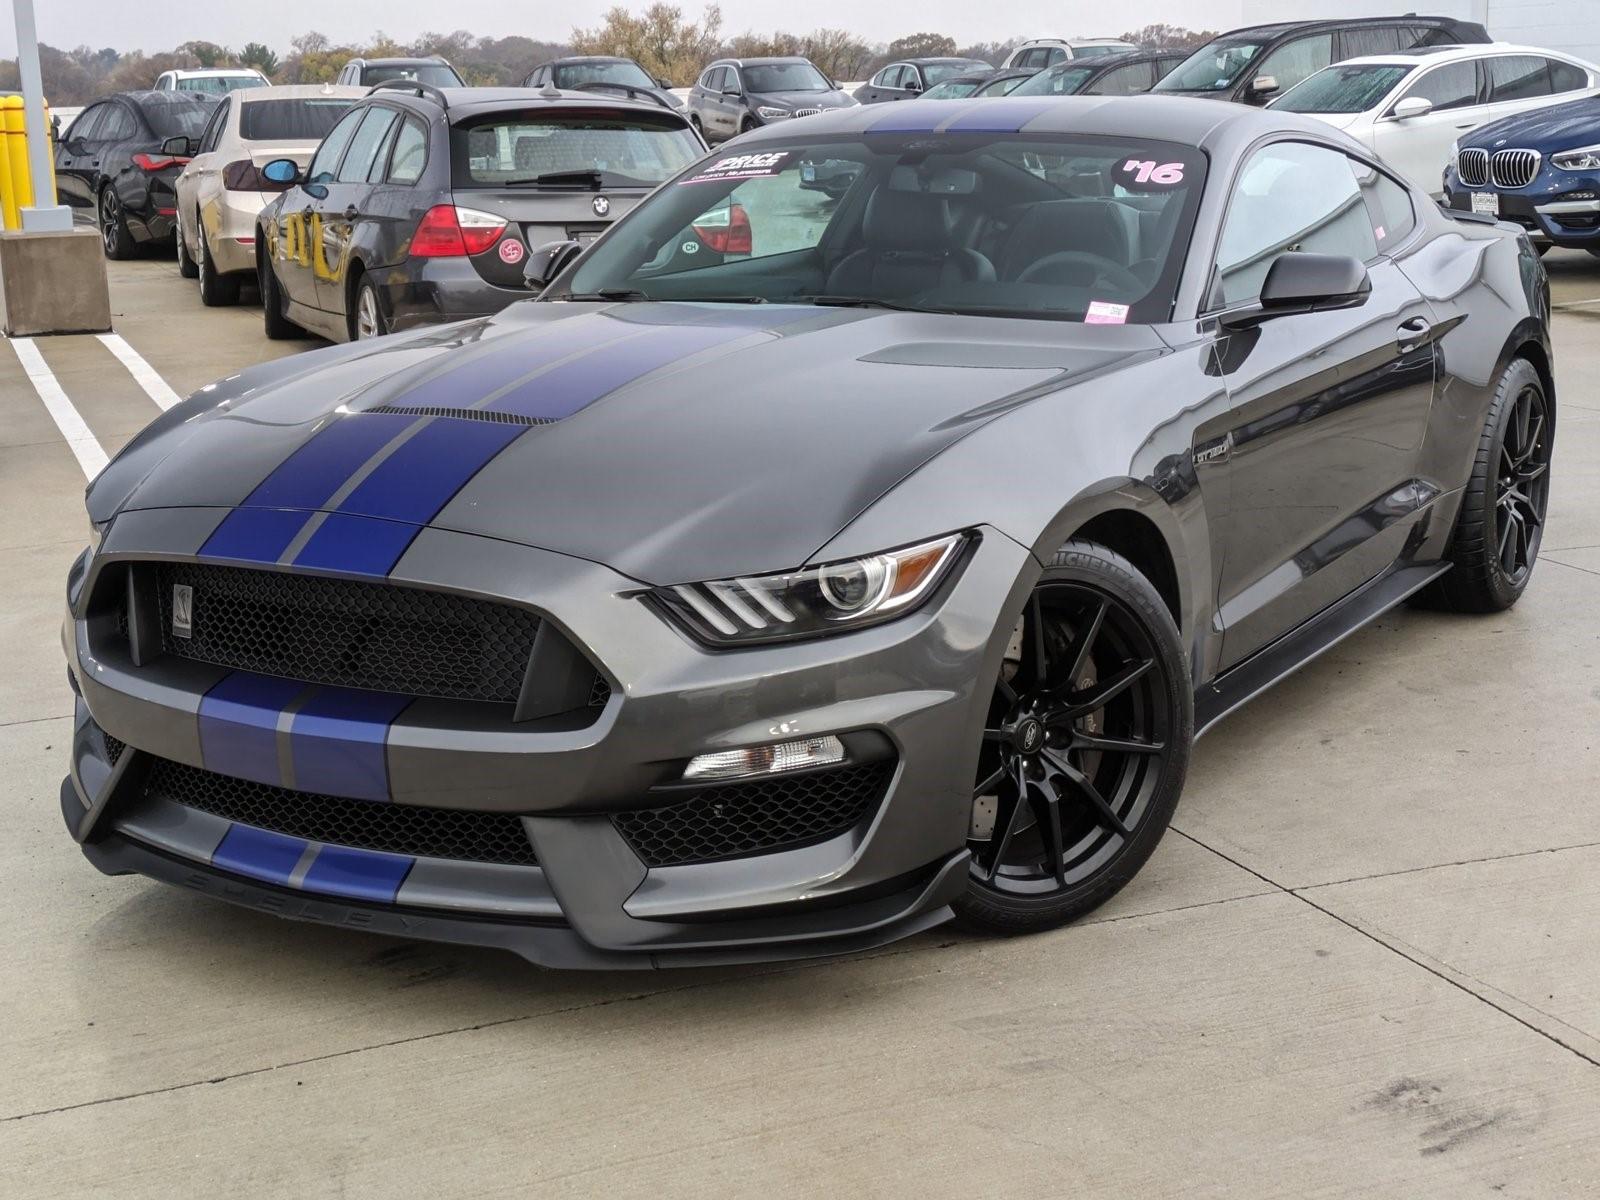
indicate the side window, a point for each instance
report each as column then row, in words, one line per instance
column 708, row 79
column 1565, row 77
column 1454, row 85
column 213, row 129
column 1123, row 81
column 1055, row 56
column 1289, row 196
column 326, row 160
column 380, row 163
column 1517, row 77
column 87, row 126
column 731, row 79
column 1370, row 39
column 364, row 145
column 119, row 124
column 1164, row 67
column 1388, row 205
column 410, row 152
column 1034, row 59
column 1297, row 60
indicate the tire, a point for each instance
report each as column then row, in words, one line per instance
column 1114, row 800
column 366, row 318
column 277, row 327
column 186, row 265
column 1495, row 544
column 216, row 290
column 114, row 235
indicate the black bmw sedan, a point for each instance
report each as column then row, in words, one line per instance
column 119, row 162
column 789, row 605
column 424, row 205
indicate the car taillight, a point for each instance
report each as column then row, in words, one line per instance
column 157, row 162
column 245, row 176
column 447, row 231
column 725, row 230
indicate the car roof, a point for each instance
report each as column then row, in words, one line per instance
column 587, row 58
column 204, row 72
column 475, row 101
column 1446, row 54
column 150, row 96
column 1278, row 28
column 935, row 60
column 1121, row 58
column 764, row 61
column 430, row 61
column 301, row 91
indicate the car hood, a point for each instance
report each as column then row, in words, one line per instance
column 1559, row 127
column 802, row 99
column 672, row 442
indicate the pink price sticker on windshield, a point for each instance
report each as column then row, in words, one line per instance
column 740, row 166
column 1103, row 312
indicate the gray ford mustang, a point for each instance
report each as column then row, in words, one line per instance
column 794, row 600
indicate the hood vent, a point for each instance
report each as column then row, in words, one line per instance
column 462, row 414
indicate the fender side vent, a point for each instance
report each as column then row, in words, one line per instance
column 462, row 414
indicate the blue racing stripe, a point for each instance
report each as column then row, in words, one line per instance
column 1006, row 115
column 337, row 742
column 359, row 545
column 505, row 364
column 357, row 874
column 254, row 534
column 419, row 478
column 239, row 725
column 920, row 118
column 564, row 390
column 315, row 471
column 245, row 850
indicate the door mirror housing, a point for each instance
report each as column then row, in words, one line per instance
column 178, row 147
column 732, row 89
column 1412, row 106
column 1263, row 85
column 913, row 86
column 282, row 170
column 547, row 261
column 663, row 82
column 1299, row 282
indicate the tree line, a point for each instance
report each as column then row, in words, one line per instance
column 662, row 37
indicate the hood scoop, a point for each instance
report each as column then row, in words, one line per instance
column 460, row 414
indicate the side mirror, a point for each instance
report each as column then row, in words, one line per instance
column 1412, row 106
column 282, row 170
column 913, row 86
column 732, row 90
column 1299, row 282
column 178, row 147
column 663, row 82
column 547, row 261
column 1263, row 85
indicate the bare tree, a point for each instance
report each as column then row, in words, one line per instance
column 661, row 39
column 1169, row 37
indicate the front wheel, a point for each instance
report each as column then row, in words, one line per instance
column 1085, row 748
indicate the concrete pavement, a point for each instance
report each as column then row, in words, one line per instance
column 1363, row 963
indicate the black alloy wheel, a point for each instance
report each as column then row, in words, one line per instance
column 114, row 233
column 274, row 307
column 1495, row 544
column 1085, row 749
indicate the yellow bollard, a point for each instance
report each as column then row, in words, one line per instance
column 10, row 211
column 17, row 151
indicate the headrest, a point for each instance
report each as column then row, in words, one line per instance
column 909, row 222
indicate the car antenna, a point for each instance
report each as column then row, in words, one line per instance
column 550, row 92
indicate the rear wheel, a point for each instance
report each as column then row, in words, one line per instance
column 114, row 235
column 186, row 264
column 277, row 326
column 216, row 289
column 1501, row 522
column 366, row 316
column 1085, row 749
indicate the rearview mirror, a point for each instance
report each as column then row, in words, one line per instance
column 282, row 170
column 178, row 147
column 1298, row 282
column 547, row 261
column 1263, row 85
column 1413, row 106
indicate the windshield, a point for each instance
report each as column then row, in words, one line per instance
column 1212, row 68
column 436, row 74
column 218, row 85
column 952, row 89
column 1343, row 89
column 1036, row 226
column 575, row 74
column 939, row 72
column 1057, row 81
column 1001, row 87
column 171, row 114
column 785, row 77
column 306, row 120
column 1102, row 48
column 516, row 149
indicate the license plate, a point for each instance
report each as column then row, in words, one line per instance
column 1487, row 203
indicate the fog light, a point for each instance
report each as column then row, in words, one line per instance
column 766, row 760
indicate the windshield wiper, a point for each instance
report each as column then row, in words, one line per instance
column 585, row 177
column 614, row 295
column 864, row 302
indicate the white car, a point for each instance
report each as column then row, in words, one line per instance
column 1039, row 53
column 216, row 80
column 222, row 189
column 1409, row 108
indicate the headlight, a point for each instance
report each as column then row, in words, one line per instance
column 1455, row 153
column 771, row 114
column 813, row 601
column 1586, row 158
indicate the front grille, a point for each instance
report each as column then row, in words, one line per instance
column 362, row 824
column 1472, row 167
column 734, row 820
column 1513, row 168
column 114, row 748
column 806, row 112
column 350, row 634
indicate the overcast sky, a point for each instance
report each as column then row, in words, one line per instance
column 161, row 25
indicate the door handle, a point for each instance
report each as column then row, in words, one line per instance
column 350, row 213
column 1412, row 333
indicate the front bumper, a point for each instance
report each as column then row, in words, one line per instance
column 910, row 686
column 1559, row 208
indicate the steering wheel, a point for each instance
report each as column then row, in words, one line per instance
column 1117, row 277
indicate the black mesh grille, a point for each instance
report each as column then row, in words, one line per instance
column 348, row 633
column 114, row 748
column 462, row 414
column 364, row 824
column 754, row 818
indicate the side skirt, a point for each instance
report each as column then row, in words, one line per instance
column 1282, row 658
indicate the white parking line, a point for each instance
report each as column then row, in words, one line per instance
column 143, row 373
column 90, row 454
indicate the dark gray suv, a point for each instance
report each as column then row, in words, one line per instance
column 424, row 205
column 735, row 95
